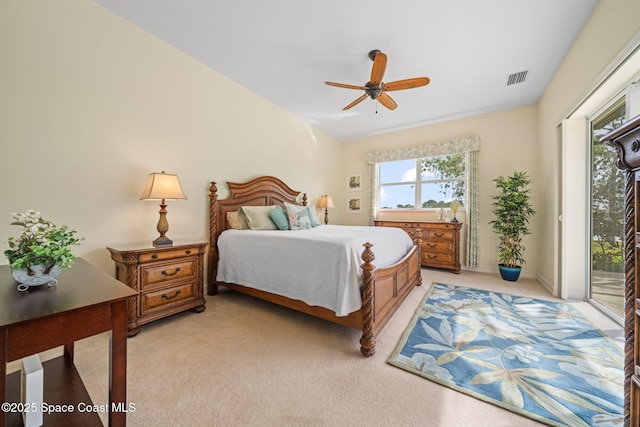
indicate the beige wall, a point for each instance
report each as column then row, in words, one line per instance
column 91, row 105
column 507, row 143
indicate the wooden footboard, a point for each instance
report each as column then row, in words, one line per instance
column 383, row 289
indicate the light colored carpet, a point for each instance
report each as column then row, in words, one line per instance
column 245, row 362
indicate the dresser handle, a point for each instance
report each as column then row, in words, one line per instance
column 635, row 145
column 188, row 251
column 171, row 274
column 438, row 234
column 154, row 256
column 432, row 256
column 432, row 245
column 172, row 297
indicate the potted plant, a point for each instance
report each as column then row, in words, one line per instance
column 41, row 251
column 512, row 209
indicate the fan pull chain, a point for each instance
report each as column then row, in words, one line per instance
column 376, row 106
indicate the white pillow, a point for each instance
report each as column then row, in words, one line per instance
column 298, row 217
column 258, row 217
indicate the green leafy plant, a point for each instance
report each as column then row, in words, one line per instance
column 40, row 238
column 512, row 209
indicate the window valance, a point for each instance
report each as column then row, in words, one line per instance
column 468, row 146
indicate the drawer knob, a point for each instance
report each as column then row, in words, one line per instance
column 635, row 145
column 171, row 274
column 165, row 296
column 154, row 256
column 188, row 251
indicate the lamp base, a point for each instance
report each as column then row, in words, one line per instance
column 162, row 241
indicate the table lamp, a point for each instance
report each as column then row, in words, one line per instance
column 325, row 203
column 161, row 186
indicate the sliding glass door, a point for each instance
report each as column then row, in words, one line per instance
column 606, row 287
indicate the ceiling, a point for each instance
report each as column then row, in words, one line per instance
column 284, row 51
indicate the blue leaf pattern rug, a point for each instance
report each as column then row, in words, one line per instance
column 538, row 358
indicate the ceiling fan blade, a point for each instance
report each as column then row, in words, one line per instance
column 345, row 86
column 356, row 102
column 379, row 66
column 407, row 83
column 387, row 101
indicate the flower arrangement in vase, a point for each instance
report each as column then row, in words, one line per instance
column 41, row 251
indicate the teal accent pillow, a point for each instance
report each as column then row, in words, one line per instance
column 312, row 218
column 279, row 218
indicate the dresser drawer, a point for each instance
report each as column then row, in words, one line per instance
column 437, row 258
column 438, row 235
column 153, row 274
column 161, row 298
column 433, row 247
column 168, row 254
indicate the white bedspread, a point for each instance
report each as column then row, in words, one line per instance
column 320, row 266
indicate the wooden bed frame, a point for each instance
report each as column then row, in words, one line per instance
column 383, row 289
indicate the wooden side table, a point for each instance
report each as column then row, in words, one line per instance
column 167, row 280
column 85, row 302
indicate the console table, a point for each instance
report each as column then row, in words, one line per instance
column 85, row 302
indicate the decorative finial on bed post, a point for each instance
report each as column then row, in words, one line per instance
column 368, row 341
column 213, row 190
column 304, row 199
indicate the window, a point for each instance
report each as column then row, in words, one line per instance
column 438, row 184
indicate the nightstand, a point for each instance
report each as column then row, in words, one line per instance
column 167, row 280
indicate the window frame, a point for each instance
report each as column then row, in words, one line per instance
column 417, row 183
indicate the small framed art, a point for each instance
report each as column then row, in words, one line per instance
column 354, row 182
column 354, row 204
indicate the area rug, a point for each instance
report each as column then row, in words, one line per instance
column 538, row 358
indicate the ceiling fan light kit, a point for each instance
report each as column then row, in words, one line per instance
column 375, row 88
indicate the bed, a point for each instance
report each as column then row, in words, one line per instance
column 366, row 296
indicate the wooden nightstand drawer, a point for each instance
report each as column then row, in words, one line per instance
column 168, row 254
column 167, row 279
column 163, row 297
column 153, row 274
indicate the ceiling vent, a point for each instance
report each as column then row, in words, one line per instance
column 516, row 78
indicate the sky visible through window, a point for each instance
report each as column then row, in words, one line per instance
column 404, row 171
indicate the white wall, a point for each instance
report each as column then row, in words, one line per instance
column 90, row 105
column 508, row 144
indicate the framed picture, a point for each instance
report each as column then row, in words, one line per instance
column 354, row 204
column 354, row 182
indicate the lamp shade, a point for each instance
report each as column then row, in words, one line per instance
column 326, row 202
column 162, row 186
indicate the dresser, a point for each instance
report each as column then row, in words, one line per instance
column 167, row 280
column 626, row 141
column 440, row 241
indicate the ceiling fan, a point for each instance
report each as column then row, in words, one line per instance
column 376, row 89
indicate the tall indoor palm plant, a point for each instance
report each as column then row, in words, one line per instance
column 512, row 209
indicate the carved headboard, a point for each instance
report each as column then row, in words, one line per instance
column 261, row 191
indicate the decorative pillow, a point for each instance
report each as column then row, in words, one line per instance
column 298, row 217
column 279, row 217
column 233, row 221
column 313, row 219
column 258, row 217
